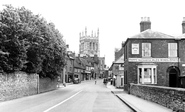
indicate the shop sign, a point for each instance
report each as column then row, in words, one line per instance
column 135, row 48
column 154, row 60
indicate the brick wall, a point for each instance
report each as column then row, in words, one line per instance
column 173, row 98
column 17, row 85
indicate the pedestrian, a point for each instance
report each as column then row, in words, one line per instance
column 95, row 81
column 105, row 82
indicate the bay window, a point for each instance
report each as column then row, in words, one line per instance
column 147, row 74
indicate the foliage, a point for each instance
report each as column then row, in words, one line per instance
column 29, row 43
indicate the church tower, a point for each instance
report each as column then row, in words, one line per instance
column 89, row 44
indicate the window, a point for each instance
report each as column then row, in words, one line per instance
column 146, row 49
column 93, row 46
column 147, row 74
column 71, row 69
column 172, row 49
column 90, row 45
column 116, row 67
column 76, row 70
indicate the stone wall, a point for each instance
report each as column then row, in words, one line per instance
column 173, row 98
column 20, row 84
column 17, row 85
column 46, row 84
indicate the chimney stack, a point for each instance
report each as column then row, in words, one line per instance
column 145, row 24
column 183, row 25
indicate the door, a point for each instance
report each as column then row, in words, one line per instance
column 173, row 77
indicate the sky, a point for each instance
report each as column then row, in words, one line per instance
column 116, row 19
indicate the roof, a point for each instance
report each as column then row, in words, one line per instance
column 181, row 36
column 84, row 61
column 71, row 56
column 120, row 60
column 152, row 34
column 78, row 64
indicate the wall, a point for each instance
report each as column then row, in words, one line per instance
column 17, row 85
column 20, row 84
column 46, row 84
column 173, row 98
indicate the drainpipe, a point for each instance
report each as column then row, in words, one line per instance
column 178, row 65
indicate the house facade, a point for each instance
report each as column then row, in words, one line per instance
column 79, row 69
column 118, row 71
column 70, row 67
column 154, row 58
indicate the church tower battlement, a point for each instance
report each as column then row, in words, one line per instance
column 89, row 44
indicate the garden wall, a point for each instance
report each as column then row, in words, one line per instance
column 46, row 84
column 17, row 85
column 20, row 84
column 173, row 98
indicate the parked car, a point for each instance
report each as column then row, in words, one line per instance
column 76, row 80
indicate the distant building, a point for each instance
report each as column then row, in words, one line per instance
column 119, row 52
column 89, row 44
column 89, row 47
column 154, row 58
column 102, row 66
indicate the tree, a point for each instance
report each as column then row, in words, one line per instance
column 29, row 43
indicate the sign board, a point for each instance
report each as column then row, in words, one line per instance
column 135, row 48
column 154, row 60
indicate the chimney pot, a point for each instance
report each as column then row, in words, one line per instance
column 183, row 19
column 183, row 25
column 148, row 18
column 145, row 24
column 141, row 18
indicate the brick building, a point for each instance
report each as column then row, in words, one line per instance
column 154, row 58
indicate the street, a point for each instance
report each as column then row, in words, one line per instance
column 84, row 97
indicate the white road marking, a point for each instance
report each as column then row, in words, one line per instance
column 62, row 102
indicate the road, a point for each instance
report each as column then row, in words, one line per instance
column 84, row 97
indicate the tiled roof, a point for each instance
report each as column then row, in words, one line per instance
column 120, row 60
column 84, row 61
column 77, row 63
column 152, row 34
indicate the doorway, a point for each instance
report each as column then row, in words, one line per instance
column 173, row 76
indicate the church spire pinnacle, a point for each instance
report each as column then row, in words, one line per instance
column 98, row 32
column 85, row 31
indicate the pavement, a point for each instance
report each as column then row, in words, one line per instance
column 137, row 104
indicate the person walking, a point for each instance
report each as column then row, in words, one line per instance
column 95, row 81
column 105, row 82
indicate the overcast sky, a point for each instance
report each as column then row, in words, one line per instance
column 116, row 19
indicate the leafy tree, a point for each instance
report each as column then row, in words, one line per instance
column 29, row 43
